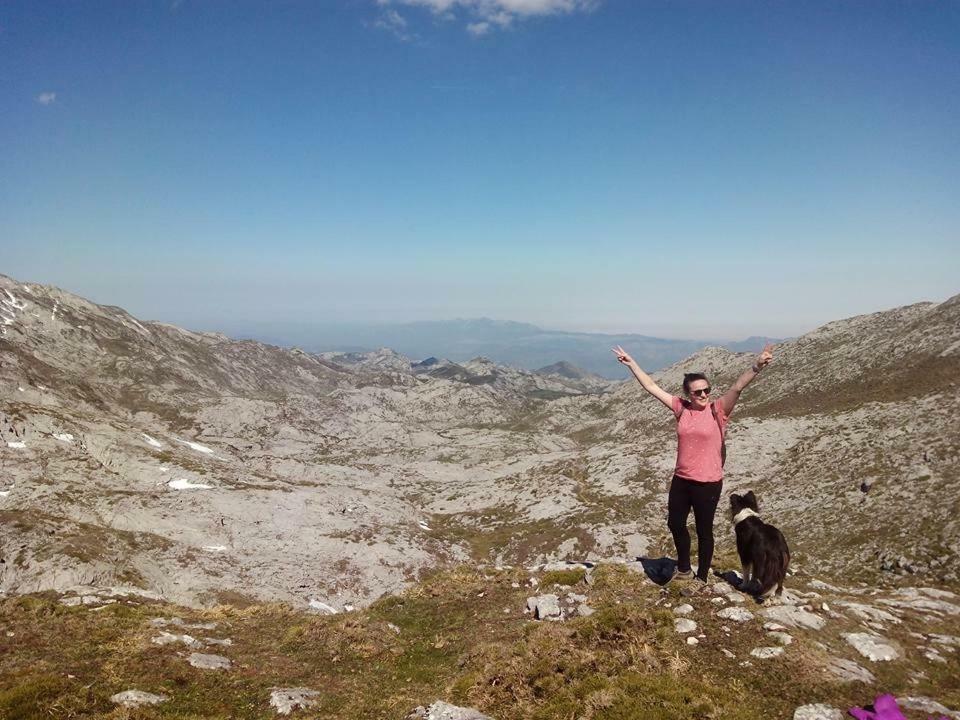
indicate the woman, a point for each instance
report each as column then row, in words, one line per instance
column 698, row 477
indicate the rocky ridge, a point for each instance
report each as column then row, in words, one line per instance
column 201, row 469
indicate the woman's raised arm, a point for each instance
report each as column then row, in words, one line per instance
column 648, row 384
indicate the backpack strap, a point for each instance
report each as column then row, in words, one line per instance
column 723, row 439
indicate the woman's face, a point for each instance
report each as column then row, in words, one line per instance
column 699, row 393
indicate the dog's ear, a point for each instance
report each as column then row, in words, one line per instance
column 736, row 503
column 751, row 500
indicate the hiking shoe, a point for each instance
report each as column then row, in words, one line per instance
column 683, row 576
column 695, row 587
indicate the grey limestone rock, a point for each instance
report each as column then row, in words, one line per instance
column 849, row 671
column 736, row 614
column 584, row 610
column 781, row 637
column 136, row 698
column 545, row 607
column 445, row 711
column 873, row 647
column 165, row 638
column 286, row 700
column 209, row 662
column 817, row 711
column 927, row 705
column 795, row 617
column 765, row 653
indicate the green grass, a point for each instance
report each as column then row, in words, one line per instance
column 445, row 638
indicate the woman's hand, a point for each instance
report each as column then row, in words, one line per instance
column 623, row 356
column 765, row 357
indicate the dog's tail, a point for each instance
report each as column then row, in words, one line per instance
column 771, row 568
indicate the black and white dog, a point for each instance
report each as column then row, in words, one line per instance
column 764, row 555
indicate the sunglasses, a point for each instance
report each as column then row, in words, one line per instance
column 703, row 392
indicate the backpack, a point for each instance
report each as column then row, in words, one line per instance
column 723, row 439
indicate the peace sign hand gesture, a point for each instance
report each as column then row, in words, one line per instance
column 623, row 356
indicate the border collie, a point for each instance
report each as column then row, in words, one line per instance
column 764, row 555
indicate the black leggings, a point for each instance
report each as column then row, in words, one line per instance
column 703, row 498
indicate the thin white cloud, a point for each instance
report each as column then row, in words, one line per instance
column 46, row 98
column 393, row 22
column 478, row 28
column 485, row 15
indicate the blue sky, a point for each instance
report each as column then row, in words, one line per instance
column 682, row 169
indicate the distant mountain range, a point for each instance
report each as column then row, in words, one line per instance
column 510, row 343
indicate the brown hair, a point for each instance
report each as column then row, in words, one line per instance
column 689, row 378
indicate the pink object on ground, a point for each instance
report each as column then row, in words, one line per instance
column 884, row 708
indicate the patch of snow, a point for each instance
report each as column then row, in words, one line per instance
column 12, row 301
column 151, row 442
column 184, row 484
column 215, row 548
column 322, row 606
column 4, row 493
column 196, row 446
column 142, row 329
column 16, row 444
column 64, row 437
column 423, row 525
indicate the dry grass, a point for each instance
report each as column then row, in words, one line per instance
column 446, row 638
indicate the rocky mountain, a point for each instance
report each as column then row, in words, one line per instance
column 204, row 469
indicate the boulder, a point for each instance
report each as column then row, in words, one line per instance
column 445, row 711
column 765, row 653
column 286, row 700
column 544, row 607
column 872, row 647
column 136, row 698
column 736, row 614
column 165, row 638
column 817, row 711
column 849, row 671
column 209, row 662
column 927, row 705
column 795, row 617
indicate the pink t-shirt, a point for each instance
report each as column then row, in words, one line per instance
column 699, row 441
